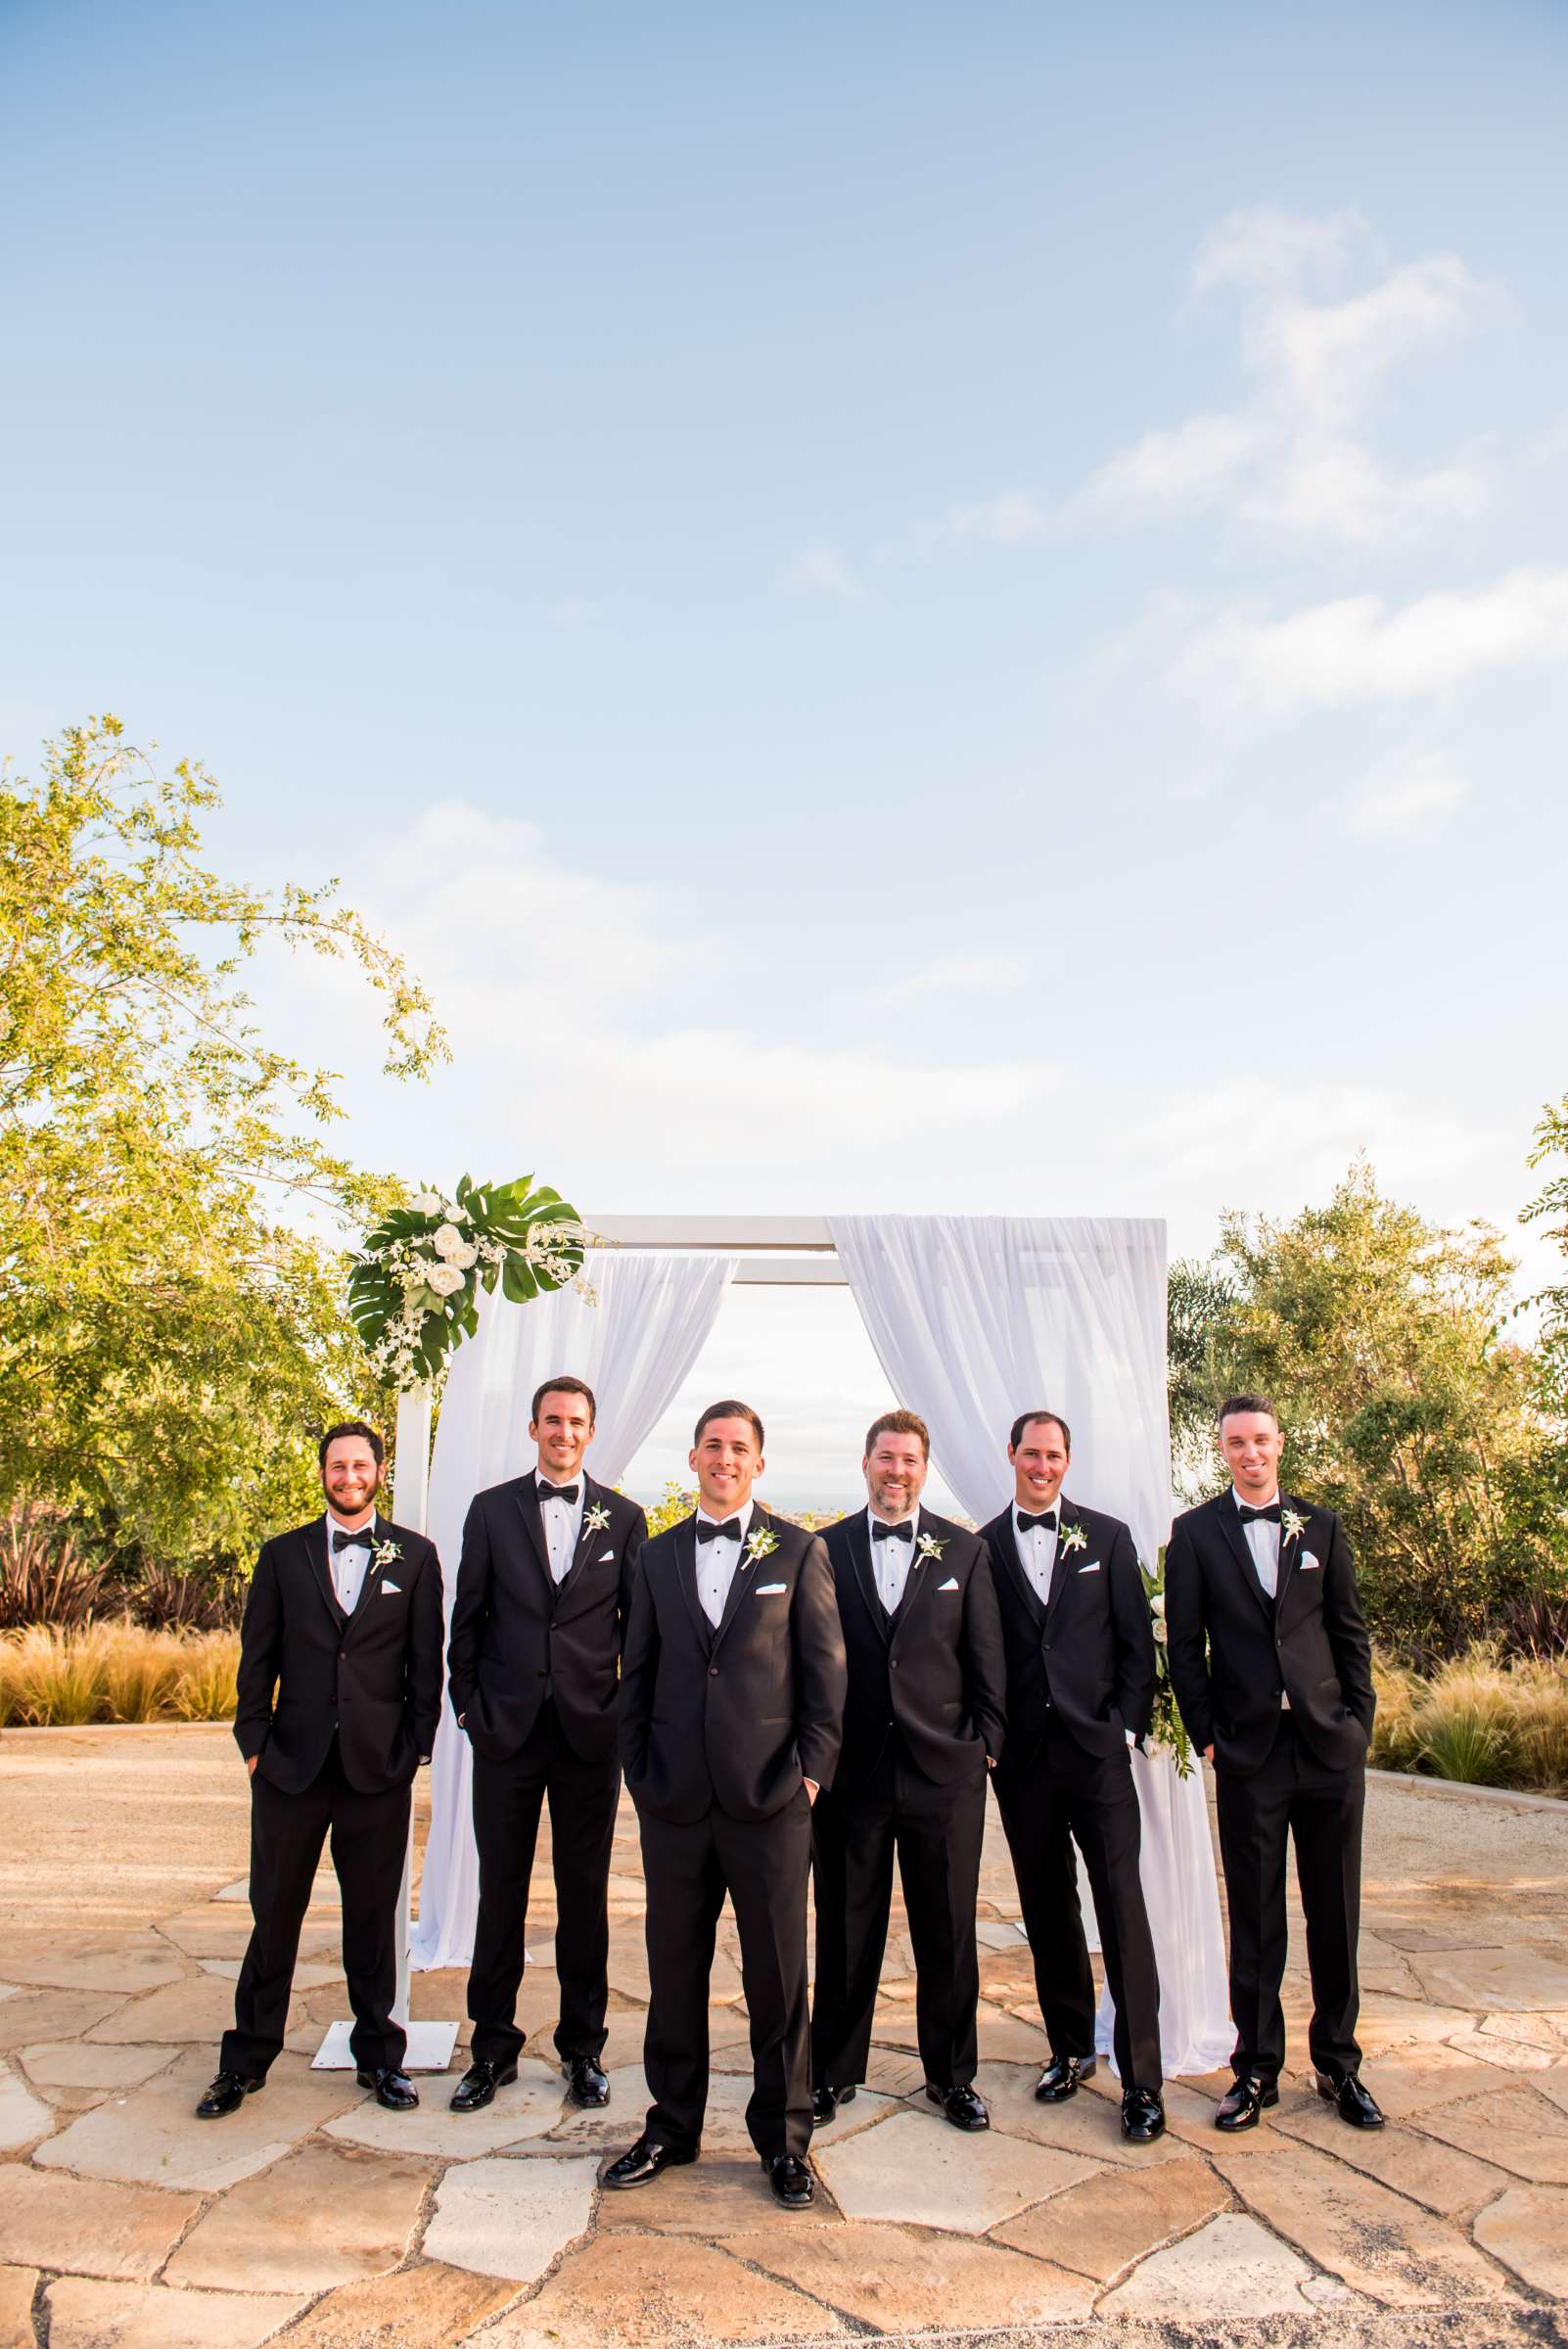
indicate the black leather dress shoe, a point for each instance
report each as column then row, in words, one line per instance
column 644, row 2163
column 228, row 2092
column 586, row 2085
column 825, row 2102
column 791, row 2181
column 1238, row 2109
column 960, row 2105
column 1061, row 2078
column 478, row 2084
column 1142, row 2115
column 392, row 2087
column 1351, row 2100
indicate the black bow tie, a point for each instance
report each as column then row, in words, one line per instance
column 566, row 1493
column 893, row 1533
column 342, row 1541
column 707, row 1531
column 1046, row 1517
column 1269, row 1516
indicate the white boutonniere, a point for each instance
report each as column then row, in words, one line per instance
column 596, row 1519
column 929, row 1546
column 1071, row 1538
column 1292, row 1523
column 760, row 1545
column 384, row 1552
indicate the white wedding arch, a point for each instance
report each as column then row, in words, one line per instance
column 972, row 1319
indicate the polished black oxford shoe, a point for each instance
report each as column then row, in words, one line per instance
column 1063, row 2076
column 1238, row 2109
column 586, row 2085
column 644, row 2163
column 1351, row 2100
column 1142, row 2115
column 478, row 2084
column 790, row 2179
column 825, row 2102
column 394, row 2088
column 228, row 2092
column 959, row 2105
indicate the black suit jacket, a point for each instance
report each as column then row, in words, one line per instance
column 518, row 1638
column 1232, row 1650
column 739, row 1716
column 1088, row 1656
column 374, row 1676
column 934, row 1669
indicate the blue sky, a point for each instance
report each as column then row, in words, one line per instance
column 900, row 608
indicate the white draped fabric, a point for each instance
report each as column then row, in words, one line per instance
column 977, row 1318
column 633, row 1346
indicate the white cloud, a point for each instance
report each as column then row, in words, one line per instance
column 1240, row 665
column 955, row 974
column 1005, row 520
column 1270, row 1143
column 1410, row 791
column 823, row 571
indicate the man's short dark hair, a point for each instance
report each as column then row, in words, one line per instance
column 898, row 1423
column 350, row 1427
column 1234, row 1405
column 1051, row 1419
column 729, row 1409
column 565, row 1386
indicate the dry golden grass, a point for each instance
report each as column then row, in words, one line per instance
column 51, row 1678
column 1478, row 1720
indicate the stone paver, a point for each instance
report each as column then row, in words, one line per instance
column 77, row 2073
column 88, row 1962
column 1231, row 2269
column 1088, row 2125
column 151, row 2137
column 511, row 2217
column 905, row 2283
column 660, row 2290
column 197, row 2009
column 1514, row 2128
column 22, row 2115
column 1527, row 2228
column 1374, row 2240
column 16, row 2288
column 720, row 2195
column 322, row 2216
column 1101, row 2226
column 1516, row 1976
column 53, row 2015
column 1433, row 2174
column 87, row 2226
column 924, row 2174
column 427, row 2307
column 615, row 2126
column 140, row 2315
column 525, row 2111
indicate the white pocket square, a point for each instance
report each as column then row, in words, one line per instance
column 770, row 1589
column 1093, row 1567
column 392, row 1589
column 606, row 1557
column 951, row 1583
column 1307, row 1562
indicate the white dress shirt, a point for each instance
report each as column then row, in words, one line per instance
column 348, row 1566
column 563, row 1523
column 716, row 1562
column 891, row 1561
column 1262, row 1539
column 1037, row 1550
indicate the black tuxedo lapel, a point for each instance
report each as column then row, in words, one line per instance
column 1289, row 1550
column 527, row 1505
column 686, row 1574
column 740, row 1582
column 1064, row 1565
column 920, row 1578
column 586, row 1535
column 1011, row 1559
column 318, row 1539
column 1225, row 1509
column 866, row 1574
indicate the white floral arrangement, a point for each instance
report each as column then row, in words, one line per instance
column 597, row 1519
column 413, row 1293
column 1293, row 1523
column 929, row 1546
column 760, row 1542
column 1167, row 1732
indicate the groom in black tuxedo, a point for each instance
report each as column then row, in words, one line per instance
column 543, row 1594
column 924, row 1717
column 340, row 1690
column 1272, row 1669
column 1080, row 1682
column 731, row 1718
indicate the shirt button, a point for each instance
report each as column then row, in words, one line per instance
column 713, row 1672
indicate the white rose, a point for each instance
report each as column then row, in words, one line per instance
column 1157, row 1606
column 462, row 1256
column 446, row 1240
column 444, row 1279
column 1161, row 1633
column 427, row 1203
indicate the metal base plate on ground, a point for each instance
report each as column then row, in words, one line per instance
column 430, row 2049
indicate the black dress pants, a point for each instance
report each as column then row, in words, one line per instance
column 1292, row 1794
column 369, row 1836
column 764, row 1866
column 1068, row 1794
column 508, row 1797
column 935, row 1831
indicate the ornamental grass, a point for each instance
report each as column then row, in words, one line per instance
column 54, row 1679
column 1477, row 1720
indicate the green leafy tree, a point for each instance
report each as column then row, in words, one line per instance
column 1551, row 1144
column 171, row 1215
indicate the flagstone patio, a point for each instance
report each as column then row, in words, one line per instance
column 315, row 2218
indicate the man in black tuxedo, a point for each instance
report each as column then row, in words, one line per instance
column 1272, row 1671
column 543, row 1594
column 924, row 1717
column 340, row 1690
column 731, row 1718
column 1080, row 1682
